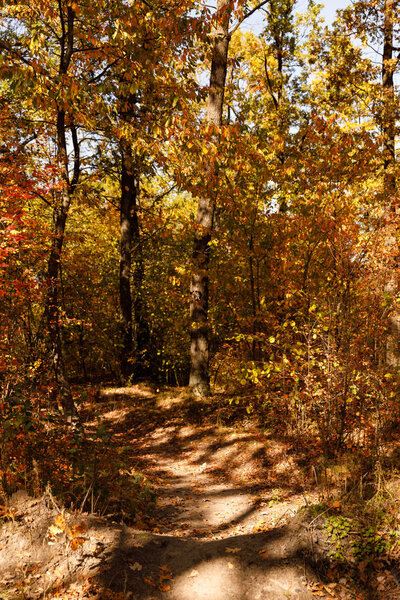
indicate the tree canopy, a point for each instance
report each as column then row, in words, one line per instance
column 194, row 201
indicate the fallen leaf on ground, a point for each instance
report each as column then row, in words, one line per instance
column 232, row 550
column 54, row 530
column 136, row 567
column 60, row 521
column 164, row 588
column 149, row 581
column 194, row 573
column 230, row 566
column 76, row 530
column 76, row 542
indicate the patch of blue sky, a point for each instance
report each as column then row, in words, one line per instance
column 328, row 12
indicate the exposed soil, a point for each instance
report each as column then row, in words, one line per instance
column 229, row 521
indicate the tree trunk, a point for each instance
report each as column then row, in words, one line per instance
column 141, row 326
column 390, row 183
column 60, row 214
column 199, row 289
column 127, row 206
column 135, row 329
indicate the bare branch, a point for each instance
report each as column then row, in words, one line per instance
column 247, row 15
column 275, row 101
column 41, row 197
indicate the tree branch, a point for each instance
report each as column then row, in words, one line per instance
column 41, row 197
column 251, row 12
column 275, row 101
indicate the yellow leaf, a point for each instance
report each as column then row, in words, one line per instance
column 60, row 520
column 54, row 530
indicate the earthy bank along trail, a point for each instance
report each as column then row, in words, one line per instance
column 228, row 523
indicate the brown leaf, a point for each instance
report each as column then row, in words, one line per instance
column 77, row 530
column 164, row 568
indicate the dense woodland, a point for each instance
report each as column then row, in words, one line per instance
column 202, row 196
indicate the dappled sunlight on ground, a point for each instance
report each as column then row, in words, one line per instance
column 228, row 523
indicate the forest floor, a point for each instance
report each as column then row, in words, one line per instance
column 231, row 519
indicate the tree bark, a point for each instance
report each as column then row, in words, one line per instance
column 141, row 325
column 60, row 214
column 127, row 206
column 390, row 183
column 199, row 380
column 135, row 329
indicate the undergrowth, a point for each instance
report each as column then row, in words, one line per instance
column 83, row 464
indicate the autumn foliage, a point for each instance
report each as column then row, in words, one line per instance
column 302, row 258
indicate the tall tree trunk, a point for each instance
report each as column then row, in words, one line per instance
column 199, row 289
column 141, row 325
column 135, row 330
column 60, row 214
column 127, row 207
column 390, row 183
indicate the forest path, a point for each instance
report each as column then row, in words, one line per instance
column 225, row 522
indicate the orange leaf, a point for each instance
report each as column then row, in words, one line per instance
column 76, row 542
column 78, row 529
column 164, row 588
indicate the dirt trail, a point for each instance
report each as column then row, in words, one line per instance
column 226, row 525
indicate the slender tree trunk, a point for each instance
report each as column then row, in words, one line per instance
column 127, row 206
column 199, row 289
column 60, row 214
column 135, row 329
column 141, row 326
column 253, row 296
column 390, row 183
